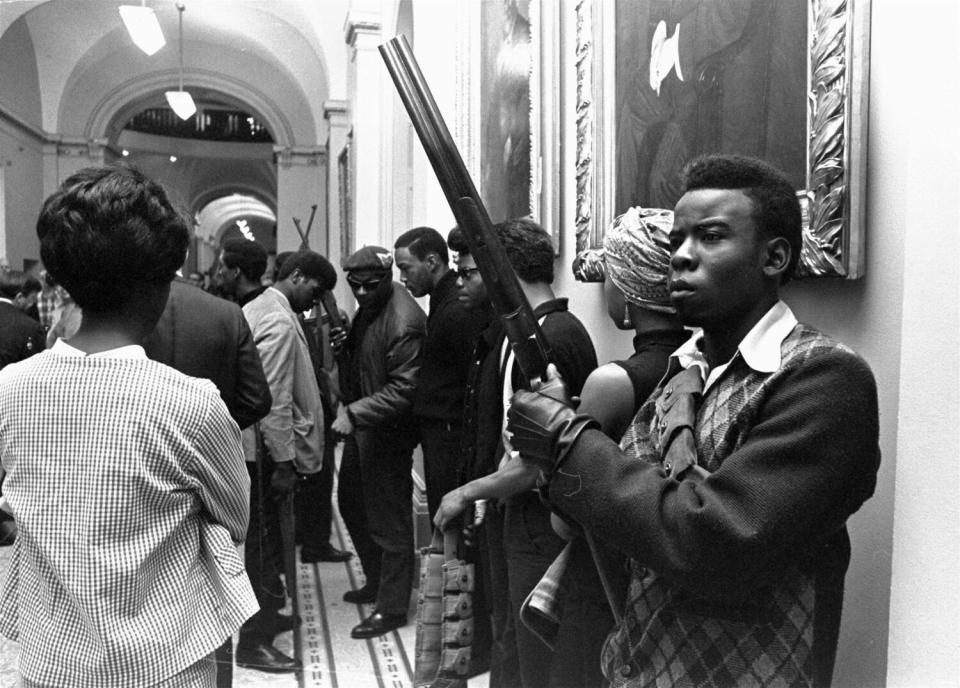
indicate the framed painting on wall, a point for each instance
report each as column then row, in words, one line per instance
column 659, row 83
column 505, row 61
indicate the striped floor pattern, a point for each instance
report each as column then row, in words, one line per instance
column 331, row 658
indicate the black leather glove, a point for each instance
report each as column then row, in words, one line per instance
column 544, row 428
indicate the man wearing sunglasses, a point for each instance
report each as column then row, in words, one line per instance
column 376, row 421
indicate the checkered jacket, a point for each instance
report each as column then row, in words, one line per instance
column 737, row 575
column 130, row 492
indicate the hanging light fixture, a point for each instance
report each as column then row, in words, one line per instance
column 180, row 101
column 143, row 27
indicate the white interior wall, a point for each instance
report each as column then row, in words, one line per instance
column 924, row 604
column 900, row 612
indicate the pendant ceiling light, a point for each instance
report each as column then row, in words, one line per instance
column 180, row 101
column 143, row 27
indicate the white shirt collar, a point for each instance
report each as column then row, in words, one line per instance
column 4, row 299
column 131, row 351
column 760, row 349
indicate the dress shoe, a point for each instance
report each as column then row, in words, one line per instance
column 378, row 624
column 365, row 595
column 329, row 553
column 262, row 656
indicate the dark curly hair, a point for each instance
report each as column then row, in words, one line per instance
column 457, row 242
column 107, row 231
column 529, row 249
column 776, row 210
column 247, row 255
column 311, row 264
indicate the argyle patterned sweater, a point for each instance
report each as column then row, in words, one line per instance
column 737, row 569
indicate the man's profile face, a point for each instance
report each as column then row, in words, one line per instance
column 471, row 291
column 228, row 276
column 717, row 258
column 305, row 293
column 415, row 273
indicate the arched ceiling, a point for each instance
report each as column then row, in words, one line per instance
column 281, row 58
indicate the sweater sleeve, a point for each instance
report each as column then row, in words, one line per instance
column 807, row 463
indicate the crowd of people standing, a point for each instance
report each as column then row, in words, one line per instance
column 676, row 517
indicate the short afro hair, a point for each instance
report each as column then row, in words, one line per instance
column 458, row 242
column 423, row 240
column 529, row 249
column 312, row 265
column 106, row 232
column 11, row 283
column 776, row 210
column 247, row 255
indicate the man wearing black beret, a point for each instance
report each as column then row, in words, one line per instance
column 375, row 420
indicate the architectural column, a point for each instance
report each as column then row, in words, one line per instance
column 338, row 216
column 448, row 52
column 301, row 176
column 369, row 91
column 66, row 156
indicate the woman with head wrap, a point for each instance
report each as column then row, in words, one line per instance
column 636, row 260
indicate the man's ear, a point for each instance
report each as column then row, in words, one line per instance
column 296, row 275
column 776, row 258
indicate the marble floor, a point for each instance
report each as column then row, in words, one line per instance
column 331, row 658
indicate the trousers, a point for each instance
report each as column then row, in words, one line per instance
column 315, row 498
column 530, row 546
column 263, row 555
column 440, row 442
column 375, row 499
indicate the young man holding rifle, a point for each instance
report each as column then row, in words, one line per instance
column 731, row 489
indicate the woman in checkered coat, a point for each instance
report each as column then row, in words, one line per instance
column 126, row 477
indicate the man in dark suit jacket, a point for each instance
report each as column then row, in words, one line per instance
column 204, row 336
column 20, row 335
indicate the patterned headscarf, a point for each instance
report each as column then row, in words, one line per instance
column 636, row 255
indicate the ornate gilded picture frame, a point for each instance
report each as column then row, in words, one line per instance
column 783, row 80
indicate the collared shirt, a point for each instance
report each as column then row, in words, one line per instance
column 760, row 348
column 130, row 493
column 131, row 352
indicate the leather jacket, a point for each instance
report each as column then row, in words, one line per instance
column 389, row 360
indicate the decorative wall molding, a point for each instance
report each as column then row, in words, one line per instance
column 72, row 147
column 333, row 110
column 290, row 156
column 359, row 24
column 584, row 123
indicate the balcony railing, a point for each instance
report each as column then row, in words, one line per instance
column 206, row 124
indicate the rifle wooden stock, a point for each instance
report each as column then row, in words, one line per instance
column 329, row 302
column 333, row 311
column 529, row 345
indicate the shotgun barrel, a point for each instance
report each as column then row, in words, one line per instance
column 509, row 302
column 529, row 345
